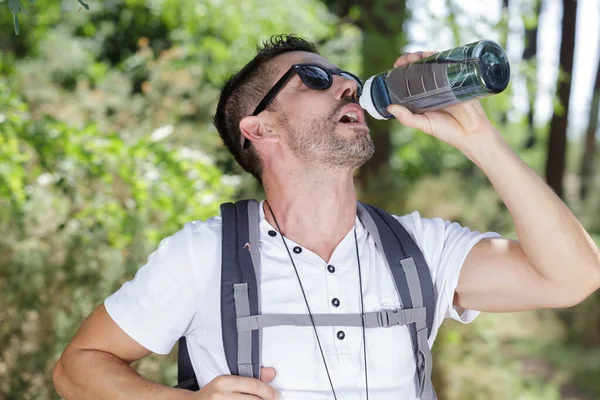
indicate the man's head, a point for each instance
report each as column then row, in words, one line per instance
column 307, row 122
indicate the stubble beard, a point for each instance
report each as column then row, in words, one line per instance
column 318, row 142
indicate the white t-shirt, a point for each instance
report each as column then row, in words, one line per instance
column 177, row 293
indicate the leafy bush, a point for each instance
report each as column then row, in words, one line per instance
column 81, row 210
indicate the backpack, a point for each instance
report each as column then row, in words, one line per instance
column 242, row 322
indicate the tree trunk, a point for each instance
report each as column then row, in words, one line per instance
column 529, row 52
column 382, row 23
column 504, row 17
column 557, row 144
column 589, row 152
column 379, row 53
column 503, row 28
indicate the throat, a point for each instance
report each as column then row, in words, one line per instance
column 322, row 248
column 319, row 236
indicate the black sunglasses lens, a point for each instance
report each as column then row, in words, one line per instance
column 314, row 77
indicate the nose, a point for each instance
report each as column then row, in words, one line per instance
column 345, row 87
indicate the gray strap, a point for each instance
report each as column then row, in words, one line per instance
column 423, row 355
column 380, row 319
column 371, row 226
column 414, row 284
column 242, row 308
column 386, row 230
column 254, row 236
column 254, row 239
column 424, row 367
column 367, row 220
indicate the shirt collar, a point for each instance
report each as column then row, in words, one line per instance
column 342, row 248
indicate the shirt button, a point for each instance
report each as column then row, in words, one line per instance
column 335, row 302
column 297, row 250
column 272, row 233
column 331, row 268
column 341, row 335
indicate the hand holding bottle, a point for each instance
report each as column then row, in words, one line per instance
column 453, row 124
column 437, row 92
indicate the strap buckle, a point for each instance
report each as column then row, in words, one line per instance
column 389, row 318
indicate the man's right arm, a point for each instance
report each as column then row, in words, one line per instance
column 139, row 319
column 96, row 365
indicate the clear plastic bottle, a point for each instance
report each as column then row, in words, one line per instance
column 463, row 73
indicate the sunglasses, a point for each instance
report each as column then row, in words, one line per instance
column 313, row 76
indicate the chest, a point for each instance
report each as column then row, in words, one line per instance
column 298, row 353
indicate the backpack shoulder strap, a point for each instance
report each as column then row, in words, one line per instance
column 239, row 288
column 398, row 244
column 186, row 379
column 240, row 264
column 413, row 282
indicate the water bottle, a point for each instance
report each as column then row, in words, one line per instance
column 463, row 73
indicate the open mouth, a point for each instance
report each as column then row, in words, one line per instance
column 352, row 114
column 349, row 117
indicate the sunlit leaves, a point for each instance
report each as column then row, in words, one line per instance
column 16, row 7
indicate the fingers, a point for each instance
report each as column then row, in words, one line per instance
column 267, row 374
column 241, row 396
column 410, row 57
column 407, row 118
column 243, row 385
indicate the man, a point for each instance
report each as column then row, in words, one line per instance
column 304, row 146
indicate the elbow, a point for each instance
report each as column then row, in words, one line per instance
column 573, row 296
column 596, row 276
column 58, row 377
column 595, row 281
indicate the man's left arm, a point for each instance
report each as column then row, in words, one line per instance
column 555, row 262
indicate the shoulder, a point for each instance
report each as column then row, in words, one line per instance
column 428, row 231
column 193, row 248
column 204, row 230
column 419, row 227
column 194, row 233
column 440, row 240
column 202, row 239
column 436, row 230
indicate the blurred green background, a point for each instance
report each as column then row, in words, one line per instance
column 107, row 146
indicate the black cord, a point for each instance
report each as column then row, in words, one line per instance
column 362, row 312
column 306, row 301
column 362, row 307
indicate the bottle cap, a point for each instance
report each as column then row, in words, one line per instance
column 494, row 67
column 366, row 100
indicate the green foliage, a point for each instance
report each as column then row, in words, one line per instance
column 144, row 86
column 81, row 209
column 16, row 7
column 83, row 204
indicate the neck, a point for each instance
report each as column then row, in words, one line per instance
column 315, row 208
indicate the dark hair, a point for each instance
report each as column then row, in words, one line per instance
column 244, row 90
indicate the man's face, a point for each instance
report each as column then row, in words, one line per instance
column 312, row 122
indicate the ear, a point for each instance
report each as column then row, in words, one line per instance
column 254, row 129
column 251, row 128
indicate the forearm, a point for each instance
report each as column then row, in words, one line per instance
column 92, row 374
column 551, row 237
